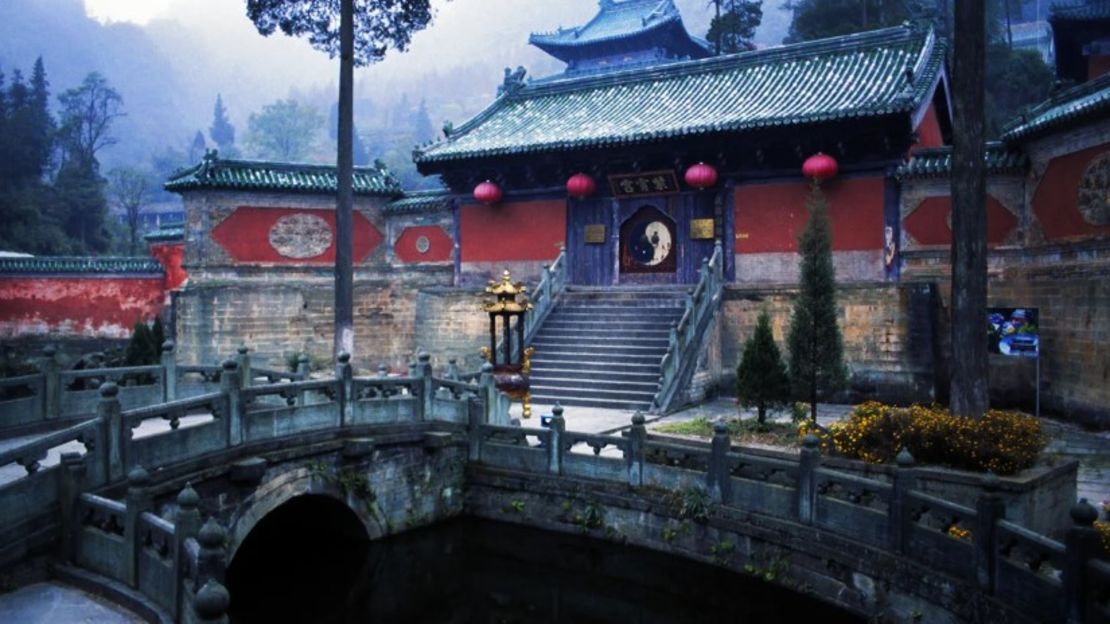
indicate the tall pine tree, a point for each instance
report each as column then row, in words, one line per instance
column 814, row 341
column 221, row 131
column 732, row 30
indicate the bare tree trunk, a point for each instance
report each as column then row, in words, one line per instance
column 969, row 394
column 344, row 279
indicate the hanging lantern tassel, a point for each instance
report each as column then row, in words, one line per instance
column 820, row 167
column 487, row 193
column 581, row 186
column 701, row 176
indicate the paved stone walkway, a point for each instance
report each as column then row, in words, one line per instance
column 56, row 603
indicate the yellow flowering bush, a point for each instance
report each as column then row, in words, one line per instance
column 1001, row 442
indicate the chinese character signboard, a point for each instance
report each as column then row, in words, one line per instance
column 1014, row 331
column 646, row 183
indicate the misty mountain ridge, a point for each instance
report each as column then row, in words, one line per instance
column 169, row 71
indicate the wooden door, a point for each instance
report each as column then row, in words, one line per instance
column 591, row 243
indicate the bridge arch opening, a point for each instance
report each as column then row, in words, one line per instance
column 311, row 547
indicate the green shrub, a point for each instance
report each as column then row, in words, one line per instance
column 761, row 380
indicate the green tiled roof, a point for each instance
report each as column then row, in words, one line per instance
column 937, row 162
column 248, row 175
column 1088, row 100
column 79, row 264
column 166, row 233
column 413, row 202
column 614, row 20
column 1089, row 10
column 868, row 74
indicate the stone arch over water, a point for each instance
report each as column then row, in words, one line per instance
column 311, row 544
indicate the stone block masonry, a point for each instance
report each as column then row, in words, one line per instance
column 887, row 328
column 282, row 316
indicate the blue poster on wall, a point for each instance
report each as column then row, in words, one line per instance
column 1014, row 331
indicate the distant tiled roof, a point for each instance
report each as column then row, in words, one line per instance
column 868, row 74
column 79, row 264
column 248, row 175
column 413, row 202
column 168, row 232
column 614, row 20
column 1089, row 10
column 937, row 162
column 1089, row 100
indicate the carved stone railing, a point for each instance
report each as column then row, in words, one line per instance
column 687, row 337
column 177, row 564
column 1053, row 581
column 552, row 284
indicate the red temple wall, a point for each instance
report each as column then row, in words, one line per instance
column 769, row 217
column 1097, row 65
column 245, row 235
column 517, row 231
column 439, row 248
column 89, row 306
column 928, row 131
column 171, row 256
column 1056, row 199
column 928, row 223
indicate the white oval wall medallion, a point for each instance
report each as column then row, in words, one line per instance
column 423, row 244
column 300, row 236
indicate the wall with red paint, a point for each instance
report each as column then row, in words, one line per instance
column 245, row 235
column 769, row 217
column 439, row 249
column 928, row 223
column 518, row 231
column 1097, row 65
column 1056, row 199
column 171, row 256
column 78, row 305
column 928, row 131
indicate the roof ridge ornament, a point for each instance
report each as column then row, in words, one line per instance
column 513, row 81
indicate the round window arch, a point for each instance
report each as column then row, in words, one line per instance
column 648, row 242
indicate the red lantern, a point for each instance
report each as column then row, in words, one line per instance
column 488, row 193
column 701, row 176
column 581, row 186
column 820, row 167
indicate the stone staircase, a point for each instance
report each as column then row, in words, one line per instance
column 601, row 347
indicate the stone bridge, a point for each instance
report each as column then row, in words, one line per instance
column 154, row 521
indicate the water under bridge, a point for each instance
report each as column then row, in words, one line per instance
column 154, row 521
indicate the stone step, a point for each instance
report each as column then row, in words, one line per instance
column 597, row 368
column 592, row 383
column 584, row 401
column 588, row 314
column 606, row 325
column 579, row 356
column 625, row 304
column 596, row 348
column 595, row 393
column 587, row 331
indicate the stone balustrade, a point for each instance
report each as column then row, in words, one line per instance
column 178, row 565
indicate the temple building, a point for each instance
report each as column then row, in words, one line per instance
column 645, row 154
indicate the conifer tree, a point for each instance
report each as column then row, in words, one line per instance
column 221, row 131
column 814, row 341
column 761, row 379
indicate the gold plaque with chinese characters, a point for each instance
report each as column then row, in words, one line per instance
column 595, row 234
column 646, row 183
column 701, row 229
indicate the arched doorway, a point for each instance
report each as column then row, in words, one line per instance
column 648, row 246
column 311, row 547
